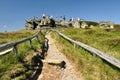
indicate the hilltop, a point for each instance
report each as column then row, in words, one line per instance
column 28, row 60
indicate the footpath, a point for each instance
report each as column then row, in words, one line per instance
column 55, row 72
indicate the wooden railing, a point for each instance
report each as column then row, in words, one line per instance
column 108, row 58
column 97, row 52
column 13, row 45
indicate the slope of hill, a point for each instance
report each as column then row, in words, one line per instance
column 92, row 68
column 22, row 65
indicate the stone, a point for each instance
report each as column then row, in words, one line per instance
column 106, row 24
column 32, row 23
column 64, row 24
column 91, row 26
column 84, row 25
column 76, row 24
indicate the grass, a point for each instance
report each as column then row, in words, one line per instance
column 14, row 36
column 14, row 66
column 92, row 68
column 106, row 41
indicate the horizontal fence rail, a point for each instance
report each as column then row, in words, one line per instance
column 13, row 45
column 6, row 51
column 97, row 52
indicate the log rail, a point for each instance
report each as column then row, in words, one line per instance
column 105, row 56
column 13, row 45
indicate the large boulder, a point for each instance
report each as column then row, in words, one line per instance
column 64, row 24
column 32, row 23
column 84, row 25
column 46, row 23
column 76, row 24
column 106, row 24
column 43, row 23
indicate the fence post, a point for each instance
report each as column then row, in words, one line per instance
column 74, row 45
column 94, row 55
column 58, row 36
column 38, row 39
column 30, row 42
column 15, row 49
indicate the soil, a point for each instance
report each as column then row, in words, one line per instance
column 55, row 72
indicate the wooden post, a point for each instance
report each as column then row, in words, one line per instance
column 58, row 36
column 38, row 39
column 15, row 49
column 74, row 45
column 46, row 42
column 30, row 42
column 6, row 51
column 94, row 55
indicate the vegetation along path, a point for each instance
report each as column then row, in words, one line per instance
column 55, row 72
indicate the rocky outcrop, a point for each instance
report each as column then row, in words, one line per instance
column 32, row 23
column 106, row 24
column 38, row 23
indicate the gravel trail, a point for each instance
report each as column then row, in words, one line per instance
column 50, row 72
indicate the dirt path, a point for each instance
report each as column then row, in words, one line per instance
column 50, row 72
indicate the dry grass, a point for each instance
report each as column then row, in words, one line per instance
column 17, row 67
column 92, row 68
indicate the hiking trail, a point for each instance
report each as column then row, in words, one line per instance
column 53, row 72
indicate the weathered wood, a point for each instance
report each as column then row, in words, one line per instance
column 6, row 51
column 38, row 39
column 30, row 42
column 15, row 49
column 101, row 54
column 24, row 39
column 74, row 45
column 94, row 55
column 7, row 45
column 14, row 44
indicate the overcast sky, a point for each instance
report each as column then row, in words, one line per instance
column 13, row 13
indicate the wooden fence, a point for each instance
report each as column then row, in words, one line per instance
column 97, row 52
column 13, row 45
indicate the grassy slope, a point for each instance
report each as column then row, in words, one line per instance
column 11, row 65
column 90, row 67
column 106, row 41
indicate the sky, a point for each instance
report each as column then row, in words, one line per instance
column 13, row 13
